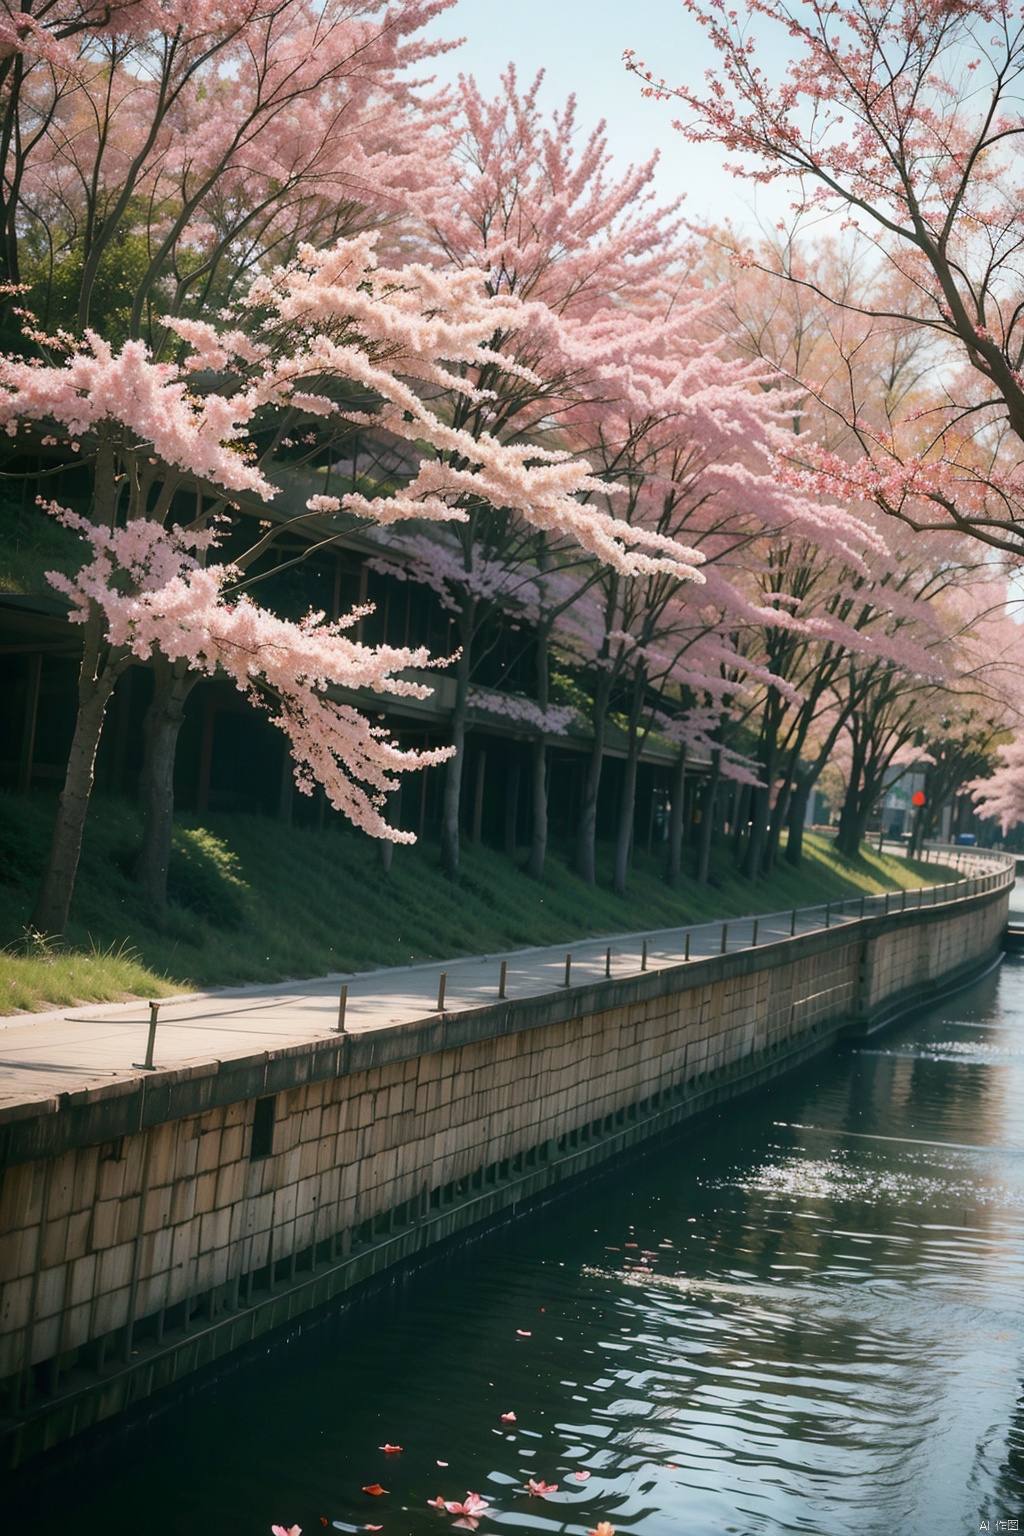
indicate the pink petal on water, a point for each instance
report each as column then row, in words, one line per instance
column 508, row 1418
column 524, row 1333
column 581, row 1476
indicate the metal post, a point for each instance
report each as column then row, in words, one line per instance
column 608, row 962
column 643, row 956
column 342, row 1002
column 725, row 937
column 501, row 978
column 792, row 924
column 147, row 1065
column 828, row 914
column 862, row 906
column 886, row 908
column 686, row 949
column 568, row 968
column 441, row 984
column 753, row 936
column 903, row 903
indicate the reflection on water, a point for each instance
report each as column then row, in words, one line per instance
column 805, row 1317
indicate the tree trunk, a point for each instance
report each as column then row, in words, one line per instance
column 393, row 815
column 538, row 808
column 758, row 831
column 512, row 804
column 627, row 813
column 539, row 763
column 99, row 671
column 586, row 836
column 452, row 802
column 853, row 817
column 797, row 816
column 852, row 826
column 173, row 682
column 779, row 817
column 675, row 819
column 740, row 831
column 708, row 818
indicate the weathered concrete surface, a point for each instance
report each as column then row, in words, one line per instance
column 152, row 1222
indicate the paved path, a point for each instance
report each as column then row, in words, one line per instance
column 45, row 1054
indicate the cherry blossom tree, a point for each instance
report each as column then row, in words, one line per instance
column 155, row 157
column 329, row 319
column 163, row 156
column 906, row 120
column 694, row 440
column 999, row 796
column 551, row 224
column 939, row 718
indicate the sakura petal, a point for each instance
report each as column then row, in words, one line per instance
column 581, row 1476
column 508, row 1418
column 442, row 1463
column 286, row 1530
column 374, row 1488
column 390, row 1449
column 373, row 1527
column 524, row 1333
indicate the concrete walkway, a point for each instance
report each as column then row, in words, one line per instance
column 46, row 1054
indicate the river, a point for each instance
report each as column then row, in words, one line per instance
column 803, row 1316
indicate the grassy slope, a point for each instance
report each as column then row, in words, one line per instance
column 256, row 901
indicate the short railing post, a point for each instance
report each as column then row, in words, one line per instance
column 643, row 956
column 686, row 947
column 441, row 984
column 502, row 978
column 147, row 1065
column 792, row 924
column 886, row 907
column 725, row 937
column 608, row 961
column 828, row 914
column 568, row 968
column 862, row 906
column 753, row 936
column 342, row 1005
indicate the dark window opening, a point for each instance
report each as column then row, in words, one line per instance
column 263, row 1128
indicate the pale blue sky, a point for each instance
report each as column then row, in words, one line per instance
column 579, row 45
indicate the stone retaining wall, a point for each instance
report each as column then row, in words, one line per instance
column 153, row 1226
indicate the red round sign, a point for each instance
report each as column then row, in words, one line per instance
column 918, row 797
